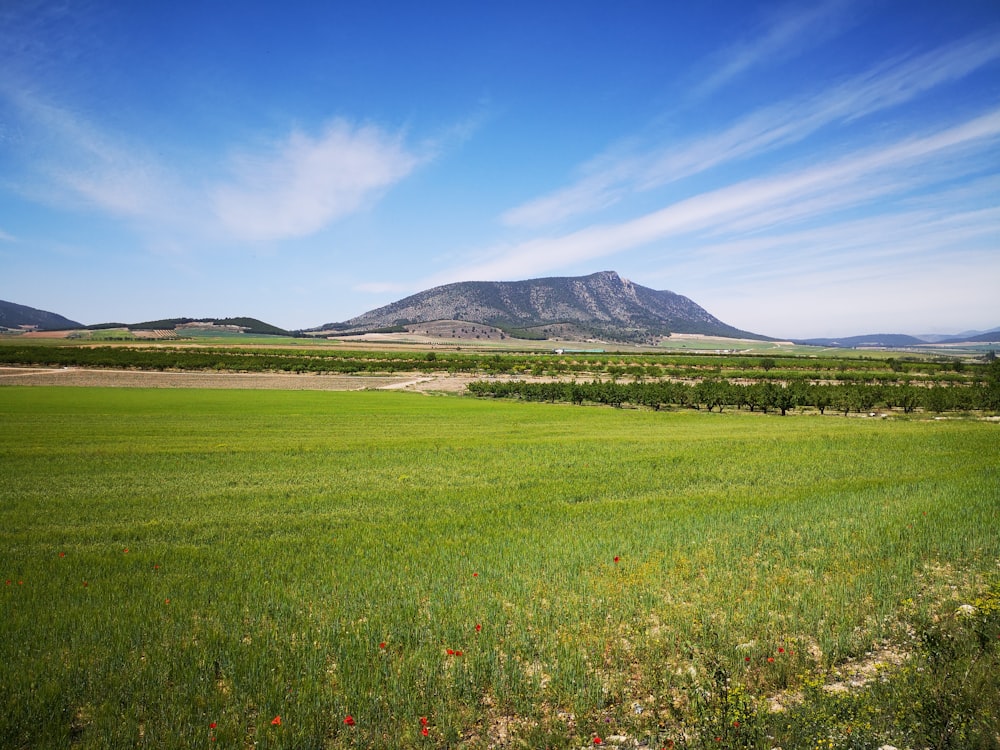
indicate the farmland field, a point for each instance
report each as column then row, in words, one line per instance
column 310, row 569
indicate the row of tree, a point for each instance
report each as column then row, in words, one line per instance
column 765, row 397
column 232, row 360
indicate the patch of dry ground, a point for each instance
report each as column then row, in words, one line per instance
column 73, row 376
column 435, row 382
column 851, row 675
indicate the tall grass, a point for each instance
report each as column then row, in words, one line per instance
column 179, row 559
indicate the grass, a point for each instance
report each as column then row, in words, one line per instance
column 179, row 559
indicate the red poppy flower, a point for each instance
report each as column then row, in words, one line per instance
column 746, row 658
column 349, row 720
column 382, row 644
column 597, row 740
column 62, row 554
column 616, row 558
column 166, row 601
column 450, row 652
column 781, row 650
column 424, row 732
column 718, row 739
column 276, row 721
column 770, row 659
column 458, row 653
column 126, row 551
column 423, row 721
column 212, row 725
column 475, row 575
column 736, row 725
column 478, row 627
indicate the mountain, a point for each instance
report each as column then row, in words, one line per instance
column 14, row 316
column 972, row 337
column 902, row 341
column 881, row 340
column 602, row 305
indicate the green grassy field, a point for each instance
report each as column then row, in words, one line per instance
column 183, row 567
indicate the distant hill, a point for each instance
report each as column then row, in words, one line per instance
column 992, row 334
column 246, row 325
column 886, row 340
column 14, row 316
column 602, row 306
column 973, row 337
column 902, row 341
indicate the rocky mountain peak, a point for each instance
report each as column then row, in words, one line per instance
column 602, row 305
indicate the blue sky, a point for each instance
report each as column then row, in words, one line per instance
column 798, row 169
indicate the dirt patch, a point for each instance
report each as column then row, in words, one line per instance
column 232, row 380
column 76, row 376
column 854, row 675
column 850, row 676
column 46, row 334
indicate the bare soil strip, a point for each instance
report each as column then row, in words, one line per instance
column 250, row 381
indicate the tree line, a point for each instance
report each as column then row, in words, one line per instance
column 764, row 396
column 234, row 360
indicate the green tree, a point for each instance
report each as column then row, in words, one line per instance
column 936, row 399
column 907, row 398
column 844, row 398
column 821, row 397
column 784, row 399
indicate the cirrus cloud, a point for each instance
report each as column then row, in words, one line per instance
column 611, row 177
column 813, row 193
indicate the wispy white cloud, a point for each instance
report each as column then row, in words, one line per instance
column 291, row 188
column 895, row 243
column 5, row 237
column 299, row 186
column 762, row 204
column 71, row 162
column 908, row 299
column 612, row 176
column 117, row 181
column 929, row 260
column 793, row 28
column 841, row 279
